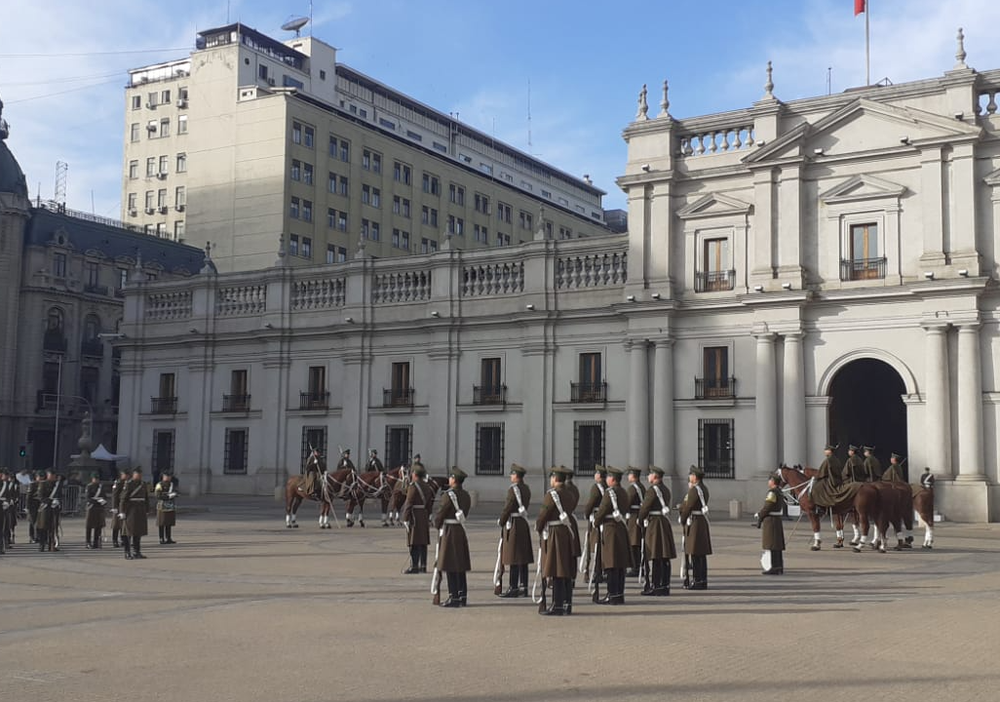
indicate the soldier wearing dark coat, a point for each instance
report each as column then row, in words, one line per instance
column 374, row 463
column 570, row 501
column 615, row 556
column 10, row 496
column 654, row 515
column 927, row 479
column 134, row 503
column 826, row 486
column 697, row 537
column 515, row 534
column 49, row 509
column 772, row 532
column 558, row 564
column 453, row 544
column 97, row 498
column 854, row 468
column 416, row 515
column 894, row 473
column 33, row 503
column 166, row 508
column 116, row 507
column 590, row 548
column 873, row 468
column 636, row 492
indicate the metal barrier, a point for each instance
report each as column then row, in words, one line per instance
column 72, row 498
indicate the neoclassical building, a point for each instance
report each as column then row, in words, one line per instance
column 795, row 273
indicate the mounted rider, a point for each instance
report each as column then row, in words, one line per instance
column 854, row 469
column 315, row 467
column 873, row 468
column 374, row 464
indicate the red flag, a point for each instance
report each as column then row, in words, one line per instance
column 859, row 7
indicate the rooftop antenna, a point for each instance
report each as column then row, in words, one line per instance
column 829, row 80
column 529, row 115
column 296, row 24
column 60, row 190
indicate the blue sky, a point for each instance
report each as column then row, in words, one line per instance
column 584, row 62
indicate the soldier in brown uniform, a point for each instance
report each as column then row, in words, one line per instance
column 515, row 534
column 591, row 544
column 894, row 473
column 697, row 537
column 636, row 492
column 416, row 516
column 453, row 545
column 772, row 533
column 873, row 468
column 570, row 501
column 97, row 498
column 33, row 503
column 134, row 503
column 615, row 556
column 116, row 507
column 854, row 468
column 654, row 515
column 166, row 508
column 10, row 495
column 827, row 483
column 49, row 507
column 558, row 564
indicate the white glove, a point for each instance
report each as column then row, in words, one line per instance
column 172, row 495
column 498, row 522
column 460, row 516
column 121, row 515
column 591, row 519
column 102, row 501
column 55, row 503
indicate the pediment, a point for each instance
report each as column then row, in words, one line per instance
column 862, row 187
column 714, row 205
column 865, row 125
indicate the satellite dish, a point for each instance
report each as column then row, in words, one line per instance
column 295, row 24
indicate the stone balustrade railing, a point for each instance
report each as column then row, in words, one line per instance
column 717, row 141
column 168, row 305
column 401, row 286
column 492, row 279
column 591, row 270
column 241, row 300
column 318, row 294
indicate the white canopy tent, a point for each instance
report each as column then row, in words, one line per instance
column 102, row 454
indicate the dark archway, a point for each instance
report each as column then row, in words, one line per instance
column 866, row 407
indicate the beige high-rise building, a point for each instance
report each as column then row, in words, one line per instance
column 251, row 139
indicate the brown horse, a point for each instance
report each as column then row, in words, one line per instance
column 864, row 506
column 337, row 484
column 923, row 503
column 371, row 486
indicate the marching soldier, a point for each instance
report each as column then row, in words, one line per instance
column 894, row 473
column 166, row 507
column 134, row 503
column 697, row 537
column 96, row 500
column 873, row 468
column 772, row 534
column 558, row 564
column 116, row 507
column 49, row 506
column 854, row 468
column 10, row 494
column 927, row 479
column 515, row 535
column 33, row 504
column 660, row 548
column 614, row 537
column 591, row 553
column 570, row 500
column 453, row 545
column 416, row 517
column 636, row 492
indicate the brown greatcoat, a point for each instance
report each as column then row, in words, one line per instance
column 772, row 533
column 95, row 492
column 697, row 538
column 166, row 510
column 659, row 533
column 614, row 534
column 854, row 470
column 570, row 500
column 116, row 507
column 453, row 545
column 417, row 513
column 894, row 473
column 873, row 469
column 47, row 492
column 135, row 504
column 558, row 551
column 826, row 490
column 593, row 530
column 636, row 493
column 515, row 532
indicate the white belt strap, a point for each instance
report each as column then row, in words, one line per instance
column 664, row 509
column 459, row 514
column 616, row 515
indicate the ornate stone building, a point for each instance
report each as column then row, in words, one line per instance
column 794, row 273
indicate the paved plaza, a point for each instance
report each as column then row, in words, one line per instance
column 244, row 609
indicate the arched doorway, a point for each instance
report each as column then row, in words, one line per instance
column 866, row 407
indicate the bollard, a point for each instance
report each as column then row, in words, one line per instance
column 735, row 509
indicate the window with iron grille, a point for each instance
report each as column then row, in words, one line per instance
column 398, row 445
column 234, row 460
column 163, row 451
column 588, row 446
column 716, row 452
column 489, row 448
column 313, row 438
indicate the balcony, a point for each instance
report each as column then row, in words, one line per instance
column 120, row 293
column 45, row 401
column 489, row 394
column 54, row 341
column 714, row 388
column 314, row 400
column 92, row 349
column 163, row 405
column 235, row 403
column 588, row 392
column 397, row 397
column 101, row 290
column 714, row 281
column 862, row 268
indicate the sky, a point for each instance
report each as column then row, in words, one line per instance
column 575, row 68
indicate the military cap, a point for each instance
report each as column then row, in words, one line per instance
column 137, row 469
column 869, row 448
column 95, row 475
column 696, row 471
column 419, row 470
column 776, row 477
column 520, row 470
column 560, row 471
column 166, row 474
column 598, row 468
column 611, row 470
column 347, row 452
column 568, row 472
column 852, row 447
column 457, row 473
column 656, row 469
column 831, row 447
column 899, row 458
column 635, row 471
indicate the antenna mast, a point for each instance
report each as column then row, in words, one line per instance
column 529, row 115
column 60, row 190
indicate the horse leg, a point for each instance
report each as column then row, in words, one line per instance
column 861, row 538
column 838, row 521
column 928, row 535
column 296, row 501
column 360, row 509
column 385, row 510
column 349, row 511
column 814, row 521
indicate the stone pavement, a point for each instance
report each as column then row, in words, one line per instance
column 243, row 609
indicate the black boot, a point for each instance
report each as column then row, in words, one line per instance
column 558, row 607
column 89, row 539
column 452, row 600
column 136, row 547
column 777, row 563
column 42, row 540
column 162, row 531
column 170, row 538
column 127, row 547
column 414, row 559
column 423, row 558
column 515, row 578
column 568, row 592
column 611, row 580
column 524, row 580
column 635, row 557
column 663, row 584
column 114, row 537
column 463, row 590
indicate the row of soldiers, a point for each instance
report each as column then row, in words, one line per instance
column 128, row 497
column 832, row 476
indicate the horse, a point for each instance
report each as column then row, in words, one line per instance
column 923, row 503
column 373, row 485
column 340, row 483
column 864, row 506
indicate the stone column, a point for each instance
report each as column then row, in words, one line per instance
column 638, row 405
column 766, row 409
column 970, row 405
column 663, row 405
column 938, row 412
column 793, row 427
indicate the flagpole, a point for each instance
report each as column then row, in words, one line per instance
column 868, row 56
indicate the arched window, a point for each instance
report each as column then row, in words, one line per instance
column 91, row 327
column 55, row 320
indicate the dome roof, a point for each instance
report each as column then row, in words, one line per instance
column 11, row 176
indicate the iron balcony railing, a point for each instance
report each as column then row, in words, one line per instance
column 314, row 400
column 489, row 394
column 862, row 268
column 163, row 405
column 714, row 281
column 96, row 290
column 93, row 348
column 714, row 388
column 54, row 342
column 397, row 397
column 588, row 392
column 235, row 403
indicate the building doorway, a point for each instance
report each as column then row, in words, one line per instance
column 866, row 408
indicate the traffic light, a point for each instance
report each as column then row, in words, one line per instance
column 22, row 451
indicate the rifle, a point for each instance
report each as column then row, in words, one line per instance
column 436, row 578
column 644, row 565
column 498, row 569
column 543, row 604
column 594, row 576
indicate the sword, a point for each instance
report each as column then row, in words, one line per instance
column 498, row 569
column 436, row 577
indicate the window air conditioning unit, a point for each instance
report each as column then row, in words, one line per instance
column 270, row 81
column 180, row 208
column 182, row 103
column 150, row 127
column 161, row 175
column 163, row 209
column 150, row 210
column 132, row 213
column 150, row 105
